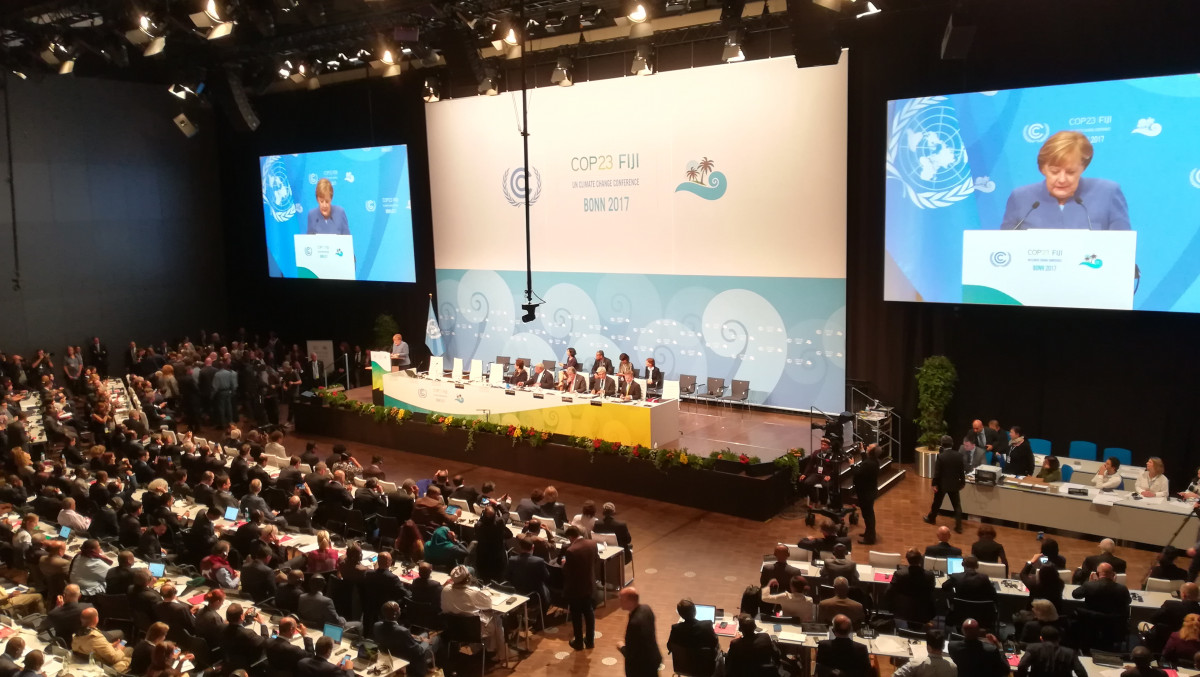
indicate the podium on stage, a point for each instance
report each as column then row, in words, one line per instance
column 325, row 257
column 1043, row 267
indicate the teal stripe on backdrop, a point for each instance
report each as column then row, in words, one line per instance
column 786, row 336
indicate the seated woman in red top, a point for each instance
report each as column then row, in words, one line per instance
column 324, row 558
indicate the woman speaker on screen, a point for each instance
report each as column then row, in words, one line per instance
column 1065, row 199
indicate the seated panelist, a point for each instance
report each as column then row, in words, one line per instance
column 603, row 384
column 572, row 382
column 629, row 389
column 520, row 375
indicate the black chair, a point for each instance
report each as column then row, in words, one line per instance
column 982, row 611
column 739, row 391
column 276, row 499
column 115, row 610
column 910, row 634
column 389, row 529
column 687, row 385
column 423, row 616
column 464, row 630
column 503, row 360
column 694, row 662
column 353, row 522
column 198, row 647
column 714, row 389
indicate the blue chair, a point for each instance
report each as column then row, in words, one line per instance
column 1039, row 447
column 1125, row 456
column 1082, row 450
column 1067, row 471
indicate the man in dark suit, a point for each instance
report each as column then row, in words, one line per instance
column 150, row 545
column 1091, row 563
column 603, row 384
column 640, row 647
column 866, row 489
column 976, row 657
column 969, row 584
column 573, row 383
column 551, row 508
column 601, row 361
column 842, row 652
column 949, row 477
column 1103, row 594
column 320, row 666
column 943, row 548
column 369, row 499
column 398, row 640
column 384, row 586
column 654, row 378
column 542, row 378
column 282, row 655
column 336, row 493
column 120, row 577
column 258, row 579
column 579, row 562
column 313, row 375
column 689, row 637
column 780, row 572
column 12, row 654
column 983, row 438
column 1048, row 659
column 911, row 591
column 1169, row 616
column 176, row 614
column 315, row 608
column 464, row 491
column 528, row 507
column 752, row 652
column 97, row 356
column 839, row 565
column 528, row 573
column 291, row 476
column 65, row 618
column 242, row 646
column 629, row 388
column 609, row 524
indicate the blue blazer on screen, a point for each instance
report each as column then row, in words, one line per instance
column 336, row 224
column 1103, row 199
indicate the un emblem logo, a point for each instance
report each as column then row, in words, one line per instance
column 277, row 191
column 926, row 154
column 432, row 330
column 515, row 184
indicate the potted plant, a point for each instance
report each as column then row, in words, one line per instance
column 935, row 386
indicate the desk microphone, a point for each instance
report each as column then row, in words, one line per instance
column 1032, row 207
column 1079, row 201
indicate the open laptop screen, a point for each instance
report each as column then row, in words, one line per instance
column 954, row 565
column 333, row 632
column 705, row 612
column 231, row 513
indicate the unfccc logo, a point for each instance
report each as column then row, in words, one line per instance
column 1036, row 132
column 370, row 205
column 1001, row 259
column 1194, row 178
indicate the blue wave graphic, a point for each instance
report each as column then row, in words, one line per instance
column 717, row 183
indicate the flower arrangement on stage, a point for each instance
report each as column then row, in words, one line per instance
column 727, row 455
column 791, row 462
column 333, row 397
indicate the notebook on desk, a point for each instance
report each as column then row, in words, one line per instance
column 883, row 578
column 725, row 628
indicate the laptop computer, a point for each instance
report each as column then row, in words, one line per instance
column 64, row 532
column 333, row 632
column 452, row 510
column 954, row 565
column 704, row 612
column 157, row 569
column 231, row 513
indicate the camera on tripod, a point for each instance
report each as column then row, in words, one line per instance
column 834, row 427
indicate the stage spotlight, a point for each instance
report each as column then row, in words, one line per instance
column 489, row 84
column 563, row 74
column 510, row 38
column 529, row 309
column 148, row 35
column 67, row 66
column 871, row 9
column 20, row 74
column 388, row 58
column 638, row 14
column 433, row 91
column 643, row 61
column 733, row 47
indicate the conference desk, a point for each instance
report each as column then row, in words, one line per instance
column 1115, row 515
column 1011, row 594
column 650, row 424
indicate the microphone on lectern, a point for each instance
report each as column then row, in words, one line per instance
column 1079, row 201
column 1032, row 207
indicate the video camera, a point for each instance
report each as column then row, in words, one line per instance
column 834, row 427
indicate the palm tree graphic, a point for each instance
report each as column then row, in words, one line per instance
column 705, row 167
column 693, row 174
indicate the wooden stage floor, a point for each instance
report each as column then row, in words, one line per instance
column 705, row 554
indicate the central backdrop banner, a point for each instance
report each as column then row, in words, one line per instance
column 696, row 216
